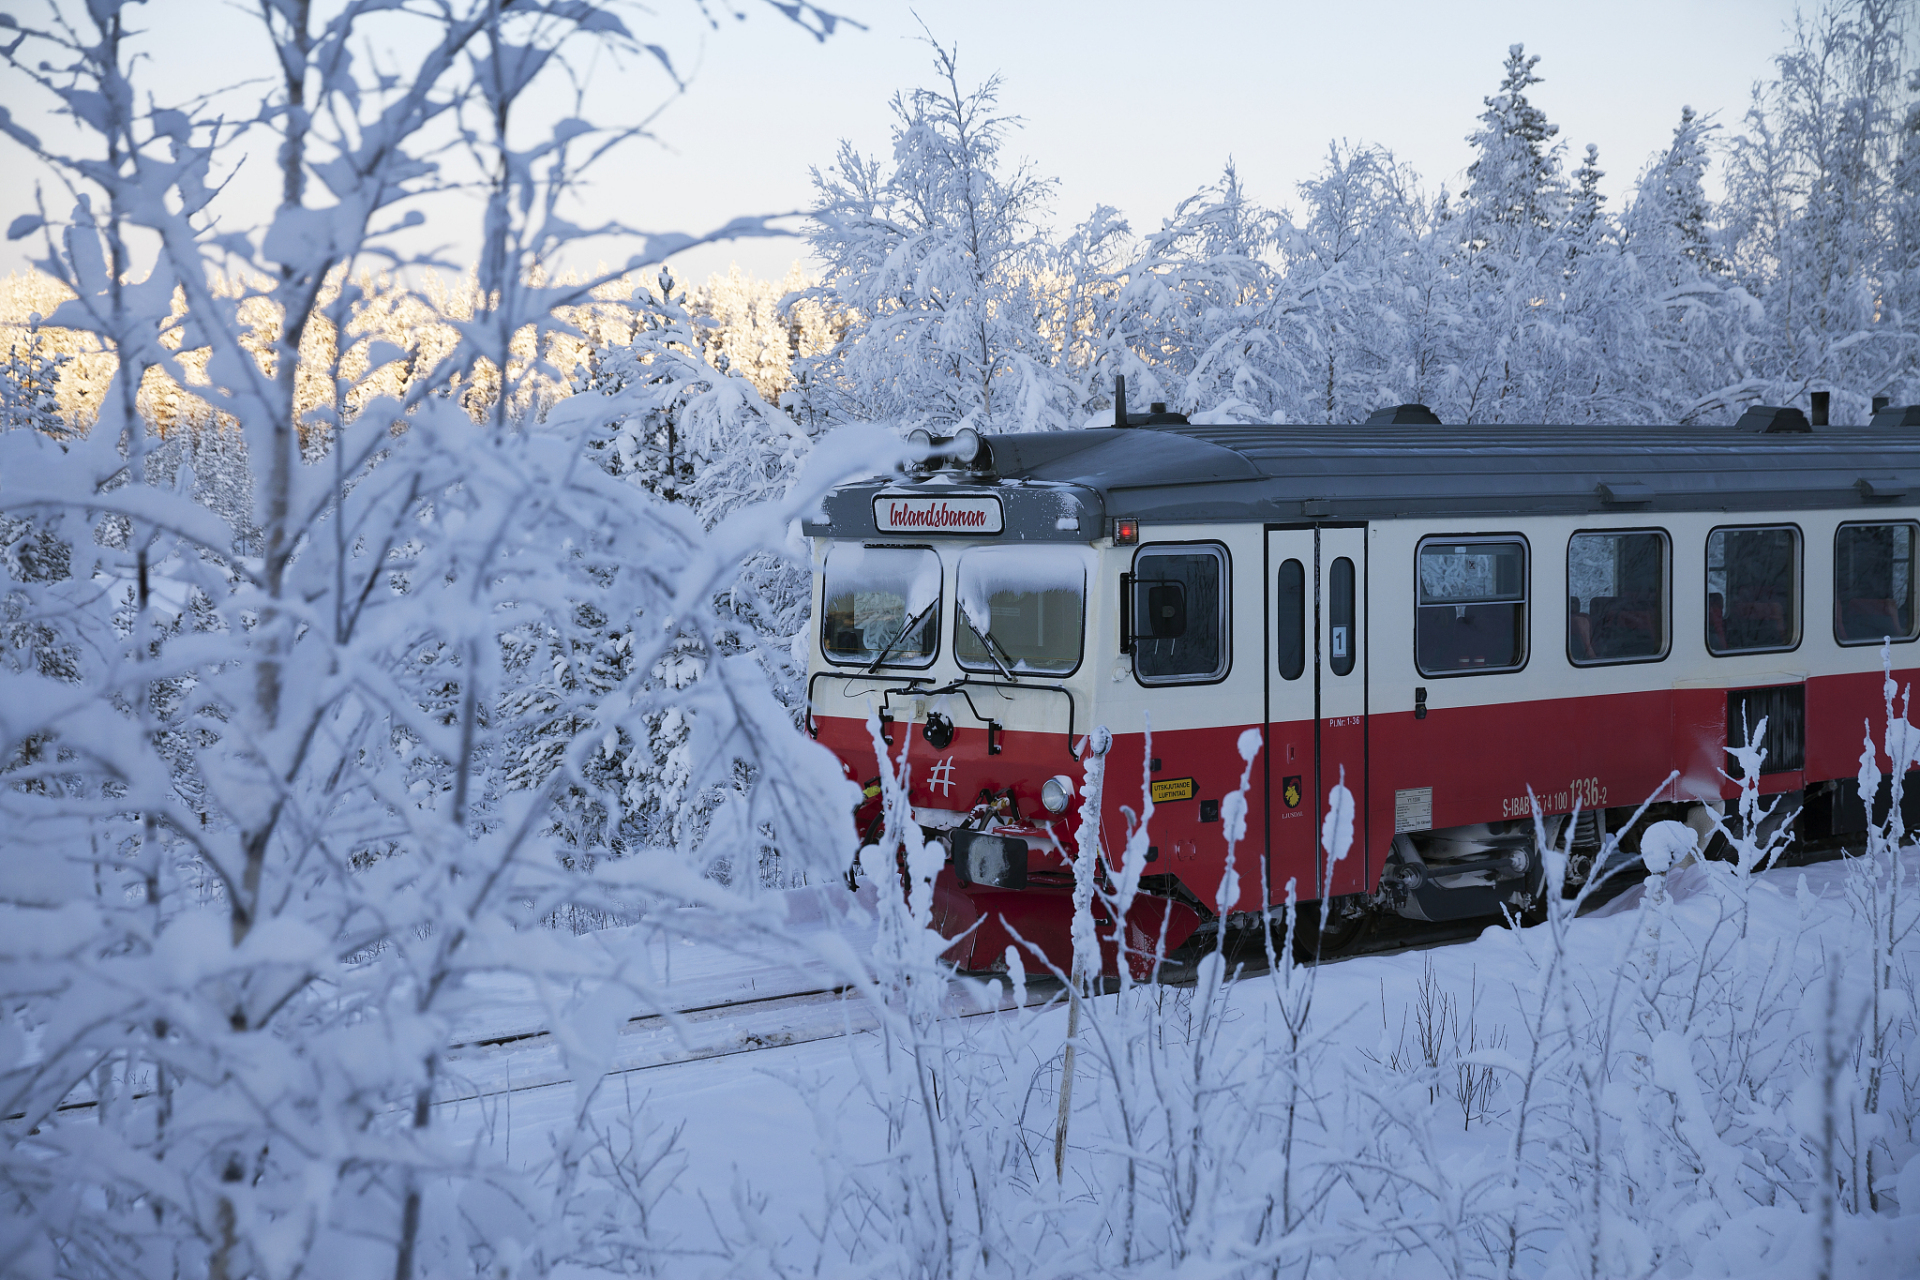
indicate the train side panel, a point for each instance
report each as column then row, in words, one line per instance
column 1606, row 735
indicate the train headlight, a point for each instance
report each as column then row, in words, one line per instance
column 1055, row 792
column 965, row 445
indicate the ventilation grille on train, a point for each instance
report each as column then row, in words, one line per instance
column 1785, row 709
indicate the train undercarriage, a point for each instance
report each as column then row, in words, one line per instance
column 1489, row 872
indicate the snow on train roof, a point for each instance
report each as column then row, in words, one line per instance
column 1188, row 473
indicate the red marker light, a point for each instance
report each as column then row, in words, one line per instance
column 1126, row 531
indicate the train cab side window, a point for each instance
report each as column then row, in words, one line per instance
column 1753, row 589
column 1290, row 619
column 1873, row 583
column 1179, row 614
column 1471, row 614
column 1617, row 597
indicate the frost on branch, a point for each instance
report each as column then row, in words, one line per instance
column 257, row 754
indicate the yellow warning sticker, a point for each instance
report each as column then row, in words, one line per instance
column 1173, row 789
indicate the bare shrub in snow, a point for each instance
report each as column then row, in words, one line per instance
column 260, row 834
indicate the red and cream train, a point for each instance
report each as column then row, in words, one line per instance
column 1445, row 616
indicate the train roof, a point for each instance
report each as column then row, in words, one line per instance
column 1068, row 485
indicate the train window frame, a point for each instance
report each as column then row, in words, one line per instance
column 1224, row 664
column 1913, row 588
column 1798, row 594
column 1336, row 654
column 1666, row 598
column 936, row 621
column 1525, row 628
column 960, row 621
column 1280, row 604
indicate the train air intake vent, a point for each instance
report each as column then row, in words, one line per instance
column 1403, row 415
column 1624, row 493
column 1899, row 415
column 1773, row 420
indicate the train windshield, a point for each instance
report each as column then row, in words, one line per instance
column 882, row 605
column 1020, row 609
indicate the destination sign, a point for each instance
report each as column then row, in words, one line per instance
column 901, row 513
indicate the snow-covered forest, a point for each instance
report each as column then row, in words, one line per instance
column 386, row 643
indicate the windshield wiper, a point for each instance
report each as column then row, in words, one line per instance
column 912, row 625
column 992, row 642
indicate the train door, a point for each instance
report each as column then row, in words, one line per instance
column 1317, row 700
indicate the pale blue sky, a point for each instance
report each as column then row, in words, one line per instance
column 1133, row 104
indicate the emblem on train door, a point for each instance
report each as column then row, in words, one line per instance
column 1290, row 791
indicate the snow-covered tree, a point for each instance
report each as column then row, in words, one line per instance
column 1672, row 215
column 1200, row 299
column 29, row 384
column 694, row 431
column 1811, row 202
column 1360, row 271
column 1514, row 178
column 1585, row 201
column 937, row 261
column 1508, row 231
column 1688, row 361
column 762, row 326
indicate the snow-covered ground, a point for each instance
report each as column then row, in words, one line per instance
column 1403, row 1160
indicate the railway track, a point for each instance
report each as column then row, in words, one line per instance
column 529, row 1061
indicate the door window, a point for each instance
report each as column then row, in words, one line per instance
column 1343, row 638
column 1290, row 619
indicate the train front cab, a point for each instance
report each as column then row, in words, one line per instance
column 1014, row 654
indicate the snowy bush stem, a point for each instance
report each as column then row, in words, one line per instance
column 1086, row 941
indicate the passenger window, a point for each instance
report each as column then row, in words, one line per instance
column 1753, row 589
column 1290, row 619
column 1179, row 612
column 1617, row 597
column 1343, row 640
column 1472, row 606
column 1873, row 583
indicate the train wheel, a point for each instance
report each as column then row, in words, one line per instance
column 1312, row 943
column 1535, row 912
column 1535, row 909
